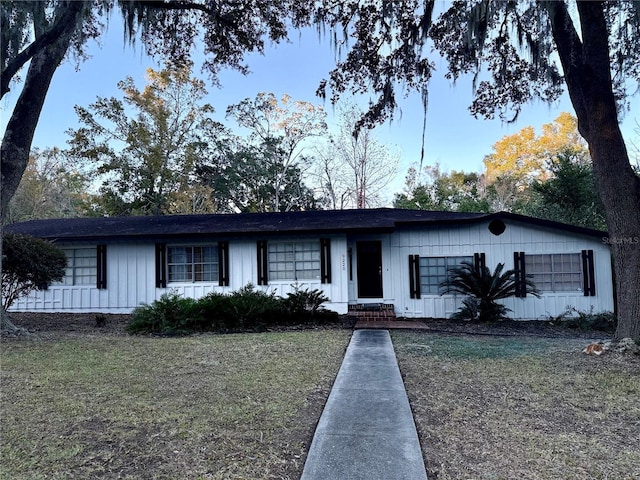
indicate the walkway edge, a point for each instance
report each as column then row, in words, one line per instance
column 366, row 430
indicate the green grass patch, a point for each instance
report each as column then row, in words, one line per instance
column 521, row 407
column 473, row 347
column 215, row 407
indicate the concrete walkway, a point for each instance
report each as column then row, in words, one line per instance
column 366, row 430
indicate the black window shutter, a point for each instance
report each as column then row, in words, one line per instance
column 223, row 264
column 263, row 266
column 101, row 264
column 325, row 260
column 161, row 265
column 588, row 274
column 521, row 274
column 479, row 261
column 414, row 276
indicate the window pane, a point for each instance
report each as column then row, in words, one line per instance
column 434, row 270
column 192, row 263
column 556, row 272
column 294, row 260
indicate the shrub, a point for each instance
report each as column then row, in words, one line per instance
column 170, row 315
column 251, row 307
column 304, row 301
column 246, row 308
column 215, row 311
column 588, row 321
column 28, row 264
column 304, row 305
column 482, row 289
column 473, row 309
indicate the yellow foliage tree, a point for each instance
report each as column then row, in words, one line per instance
column 524, row 155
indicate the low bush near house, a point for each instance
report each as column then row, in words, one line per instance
column 253, row 308
column 305, row 301
column 215, row 312
column 587, row 321
column 170, row 315
column 245, row 309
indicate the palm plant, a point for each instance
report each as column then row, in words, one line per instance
column 482, row 289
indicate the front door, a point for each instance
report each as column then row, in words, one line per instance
column 369, row 258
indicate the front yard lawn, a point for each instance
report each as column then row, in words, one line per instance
column 202, row 407
column 521, row 407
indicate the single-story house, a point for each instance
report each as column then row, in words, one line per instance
column 356, row 257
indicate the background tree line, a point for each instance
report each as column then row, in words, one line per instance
column 547, row 175
column 158, row 151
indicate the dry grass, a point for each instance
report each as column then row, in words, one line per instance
column 521, row 407
column 205, row 407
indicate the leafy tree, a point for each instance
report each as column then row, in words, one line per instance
column 523, row 156
column 279, row 130
column 355, row 167
column 50, row 188
column 454, row 191
column 147, row 162
column 29, row 263
column 483, row 289
column 245, row 180
column 42, row 34
column 517, row 52
column 507, row 194
column 569, row 194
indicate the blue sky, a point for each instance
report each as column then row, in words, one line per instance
column 453, row 138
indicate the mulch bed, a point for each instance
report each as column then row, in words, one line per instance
column 52, row 325
column 49, row 326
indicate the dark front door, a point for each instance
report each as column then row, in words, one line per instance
column 369, row 269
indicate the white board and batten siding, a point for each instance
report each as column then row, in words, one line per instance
column 466, row 240
column 131, row 271
column 131, row 280
column 243, row 270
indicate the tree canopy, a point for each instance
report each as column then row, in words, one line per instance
column 524, row 155
column 30, row 263
column 145, row 147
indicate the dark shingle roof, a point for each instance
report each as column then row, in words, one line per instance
column 322, row 221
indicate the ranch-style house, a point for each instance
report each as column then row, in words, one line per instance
column 396, row 258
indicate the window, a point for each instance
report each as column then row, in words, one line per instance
column 294, row 260
column 82, row 266
column 558, row 272
column 434, row 270
column 192, row 263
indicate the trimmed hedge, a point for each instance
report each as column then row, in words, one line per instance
column 245, row 309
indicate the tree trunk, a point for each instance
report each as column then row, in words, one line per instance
column 8, row 327
column 21, row 127
column 587, row 72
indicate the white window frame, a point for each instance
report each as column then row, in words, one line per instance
column 194, row 271
column 293, row 260
column 82, row 266
column 450, row 261
column 558, row 279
